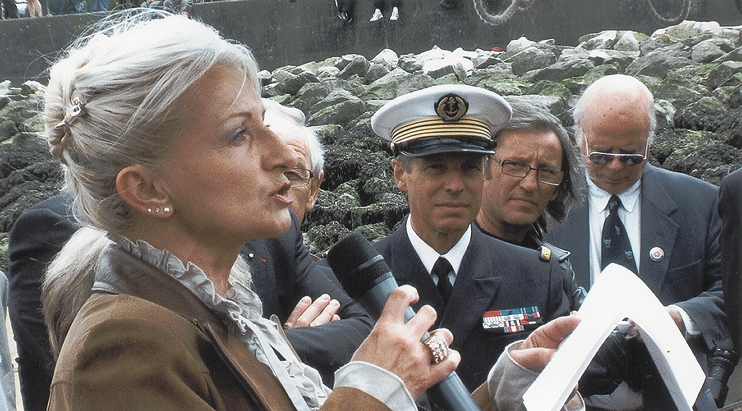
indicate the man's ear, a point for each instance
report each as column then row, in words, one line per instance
column 138, row 187
column 313, row 190
column 399, row 174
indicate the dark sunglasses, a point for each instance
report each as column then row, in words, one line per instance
column 633, row 159
column 629, row 159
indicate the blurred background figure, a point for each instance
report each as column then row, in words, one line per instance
column 345, row 10
column 34, row 8
column 59, row 7
column 288, row 124
column 379, row 4
column 10, row 10
column 7, row 375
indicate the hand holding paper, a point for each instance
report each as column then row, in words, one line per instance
column 617, row 294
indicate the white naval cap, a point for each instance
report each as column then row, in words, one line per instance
column 442, row 119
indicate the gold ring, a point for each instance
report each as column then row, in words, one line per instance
column 437, row 346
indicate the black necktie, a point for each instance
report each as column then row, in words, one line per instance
column 615, row 247
column 441, row 269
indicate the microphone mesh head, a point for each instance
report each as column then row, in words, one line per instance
column 357, row 264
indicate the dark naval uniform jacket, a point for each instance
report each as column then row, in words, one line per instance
column 494, row 275
column 680, row 218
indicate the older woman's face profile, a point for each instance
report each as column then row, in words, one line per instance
column 225, row 174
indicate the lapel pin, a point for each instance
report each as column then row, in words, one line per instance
column 656, row 253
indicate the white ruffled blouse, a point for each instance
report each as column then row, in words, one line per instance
column 243, row 311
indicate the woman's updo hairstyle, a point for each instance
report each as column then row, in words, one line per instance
column 112, row 101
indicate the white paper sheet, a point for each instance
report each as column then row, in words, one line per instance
column 617, row 294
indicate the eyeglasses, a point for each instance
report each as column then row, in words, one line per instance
column 516, row 169
column 299, row 177
column 599, row 157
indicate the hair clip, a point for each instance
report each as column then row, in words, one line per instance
column 71, row 115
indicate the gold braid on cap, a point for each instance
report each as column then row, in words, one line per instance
column 71, row 115
column 466, row 126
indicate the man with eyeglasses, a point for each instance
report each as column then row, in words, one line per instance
column 489, row 293
column 662, row 225
column 535, row 176
column 306, row 177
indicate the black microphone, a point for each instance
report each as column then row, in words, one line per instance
column 367, row 278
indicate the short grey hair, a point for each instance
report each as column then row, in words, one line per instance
column 307, row 135
column 530, row 116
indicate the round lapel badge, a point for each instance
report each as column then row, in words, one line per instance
column 451, row 107
column 656, row 253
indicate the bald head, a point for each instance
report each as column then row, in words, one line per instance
column 617, row 93
column 615, row 115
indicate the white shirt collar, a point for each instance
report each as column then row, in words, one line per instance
column 599, row 197
column 429, row 256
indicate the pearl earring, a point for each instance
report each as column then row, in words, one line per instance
column 166, row 210
column 149, row 210
column 157, row 210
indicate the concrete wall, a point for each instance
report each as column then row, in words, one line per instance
column 282, row 32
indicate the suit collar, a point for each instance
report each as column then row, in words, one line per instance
column 654, row 191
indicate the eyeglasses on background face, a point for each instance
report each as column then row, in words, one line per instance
column 299, row 177
column 521, row 170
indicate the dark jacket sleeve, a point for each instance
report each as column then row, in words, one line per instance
column 35, row 239
column 285, row 272
column 730, row 208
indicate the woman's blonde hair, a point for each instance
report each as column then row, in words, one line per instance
column 114, row 100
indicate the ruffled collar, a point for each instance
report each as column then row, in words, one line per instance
column 241, row 303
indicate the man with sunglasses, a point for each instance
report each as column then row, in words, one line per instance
column 664, row 226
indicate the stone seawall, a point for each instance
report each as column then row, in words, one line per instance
column 282, row 32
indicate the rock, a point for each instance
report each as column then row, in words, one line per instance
column 516, row 46
column 409, row 63
column 375, row 72
column 705, row 51
column 532, row 58
column 386, row 87
column 562, row 70
column 439, row 68
column 357, row 66
column 338, row 107
column 387, row 58
column 723, row 74
column 659, row 62
column 309, row 95
column 290, row 83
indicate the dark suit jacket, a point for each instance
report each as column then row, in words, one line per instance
column 494, row 275
column 679, row 215
column 730, row 208
column 286, row 275
column 283, row 272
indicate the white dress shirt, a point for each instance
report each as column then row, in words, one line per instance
column 429, row 256
column 629, row 213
